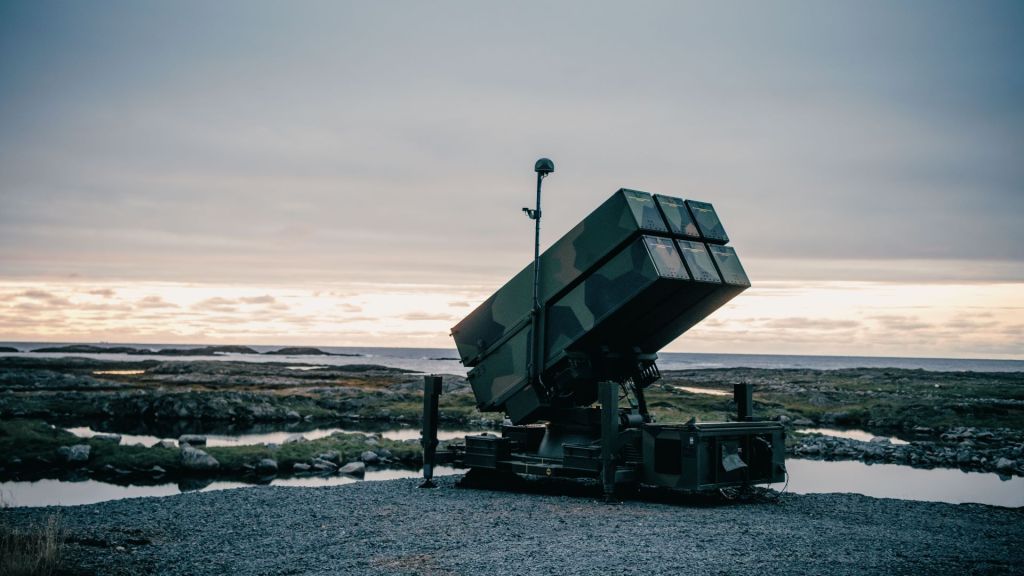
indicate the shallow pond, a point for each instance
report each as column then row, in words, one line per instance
column 806, row 477
column 275, row 437
column 68, row 493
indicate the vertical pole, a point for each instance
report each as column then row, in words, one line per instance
column 608, row 393
column 743, row 394
column 428, row 435
column 535, row 352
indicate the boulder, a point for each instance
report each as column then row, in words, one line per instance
column 197, row 460
column 192, row 439
column 879, row 440
column 331, row 456
column 115, row 438
column 353, row 469
column 803, row 422
column 300, row 467
column 76, row 453
column 166, row 444
column 323, row 465
column 369, row 457
column 267, row 466
column 292, row 415
column 1005, row 465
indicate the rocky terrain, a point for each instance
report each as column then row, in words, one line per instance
column 393, row 527
column 970, row 421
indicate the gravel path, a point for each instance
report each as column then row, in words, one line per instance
column 393, row 527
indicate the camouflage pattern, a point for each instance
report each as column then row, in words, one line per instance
column 619, row 219
column 629, row 277
column 704, row 215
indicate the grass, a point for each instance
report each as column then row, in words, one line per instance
column 35, row 550
column 33, row 439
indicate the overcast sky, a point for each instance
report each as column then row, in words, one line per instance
column 304, row 144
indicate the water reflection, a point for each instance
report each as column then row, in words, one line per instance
column 851, row 433
column 903, row 482
column 67, row 493
column 707, row 391
column 274, row 437
column 806, row 477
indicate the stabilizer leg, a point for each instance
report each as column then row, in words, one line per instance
column 608, row 393
column 428, row 435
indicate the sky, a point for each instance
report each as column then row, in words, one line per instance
column 334, row 173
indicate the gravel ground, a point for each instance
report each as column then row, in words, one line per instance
column 393, row 527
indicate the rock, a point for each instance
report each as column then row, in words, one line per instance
column 384, row 453
column 880, row 440
column 963, row 457
column 115, row 438
column 76, row 453
column 292, row 415
column 331, row 456
column 369, row 457
column 354, row 469
column 192, row 439
column 300, row 467
column 294, row 438
column 267, row 466
column 196, row 459
column 1005, row 465
column 157, row 471
column 803, row 422
column 166, row 444
column 323, row 465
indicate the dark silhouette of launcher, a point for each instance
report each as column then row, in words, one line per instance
column 566, row 348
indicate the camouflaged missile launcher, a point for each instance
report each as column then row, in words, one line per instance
column 633, row 275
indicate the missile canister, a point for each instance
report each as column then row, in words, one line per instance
column 632, row 276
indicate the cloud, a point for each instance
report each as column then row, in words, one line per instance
column 820, row 324
column 418, row 316
column 265, row 299
column 104, row 292
column 216, row 304
column 154, row 302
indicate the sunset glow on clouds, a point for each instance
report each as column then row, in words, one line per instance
column 839, row 318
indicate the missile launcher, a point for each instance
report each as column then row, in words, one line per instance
column 634, row 275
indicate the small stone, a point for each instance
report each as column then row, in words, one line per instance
column 294, row 439
column 267, row 466
column 353, row 469
column 192, row 439
column 369, row 457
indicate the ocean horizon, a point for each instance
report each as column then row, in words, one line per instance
column 446, row 360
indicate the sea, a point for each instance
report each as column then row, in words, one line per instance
column 446, row 360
